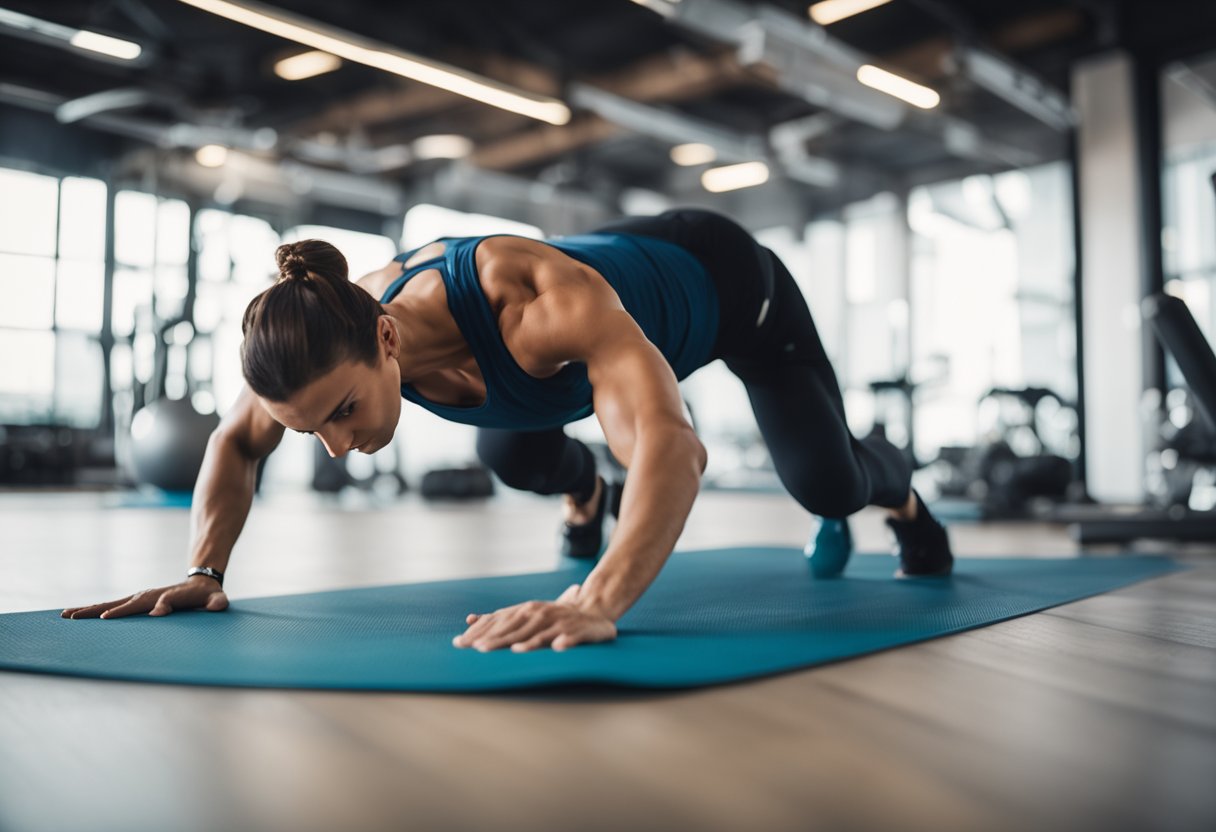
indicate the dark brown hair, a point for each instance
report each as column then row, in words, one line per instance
column 310, row 321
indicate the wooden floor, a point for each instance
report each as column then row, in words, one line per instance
column 1096, row 715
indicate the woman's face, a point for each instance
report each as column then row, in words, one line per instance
column 353, row 407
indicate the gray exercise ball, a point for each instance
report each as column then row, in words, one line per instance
column 168, row 441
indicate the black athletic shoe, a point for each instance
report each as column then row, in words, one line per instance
column 922, row 545
column 585, row 540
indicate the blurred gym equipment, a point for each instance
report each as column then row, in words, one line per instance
column 1016, row 467
column 168, row 442
column 1192, row 448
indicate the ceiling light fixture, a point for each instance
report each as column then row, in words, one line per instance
column 734, row 177
column 306, row 65
column 829, row 11
column 693, row 153
column 382, row 56
column 211, row 155
column 442, row 146
column 898, row 86
column 104, row 44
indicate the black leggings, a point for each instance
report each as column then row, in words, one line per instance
column 767, row 338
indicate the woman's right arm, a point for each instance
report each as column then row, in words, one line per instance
column 223, row 495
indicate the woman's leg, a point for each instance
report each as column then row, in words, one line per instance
column 800, row 412
column 543, row 462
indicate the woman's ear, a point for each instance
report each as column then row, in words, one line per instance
column 388, row 336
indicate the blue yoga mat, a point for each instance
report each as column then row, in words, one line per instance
column 150, row 498
column 712, row 616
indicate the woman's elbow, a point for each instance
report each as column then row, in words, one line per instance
column 694, row 449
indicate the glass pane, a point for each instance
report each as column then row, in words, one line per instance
column 211, row 228
column 134, row 228
column 26, row 385
column 991, row 306
column 27, row 285
column 251, row 243
column 228, row 380
column 201, row 355
column 236, row 298
column 208, row 307
column 82, row 219
column 171, row 286
column 132, row 289
column 78, row 381
column 79, row 294
column 27, row 212
column 143, row 356
column 172, row 232
column 122, row 371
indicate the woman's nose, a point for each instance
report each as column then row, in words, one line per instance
column 335, row 444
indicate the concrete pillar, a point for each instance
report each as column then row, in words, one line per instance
column 1111, row 257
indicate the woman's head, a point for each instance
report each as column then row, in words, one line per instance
column 314, row 336
column 310, row 321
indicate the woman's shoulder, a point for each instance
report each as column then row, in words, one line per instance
column 376, row 283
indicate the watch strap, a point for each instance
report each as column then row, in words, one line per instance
column 208, row 571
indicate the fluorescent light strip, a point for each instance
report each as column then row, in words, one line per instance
column 829, row 11
column 733, row 177
column 693, row 153
column 900, row 87
column 442, row 146
column 306, row 65
column 666, row 8
column 80, row 38
column 106, row 45
column 366, row 52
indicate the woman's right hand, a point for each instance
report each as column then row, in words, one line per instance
column 192, row 593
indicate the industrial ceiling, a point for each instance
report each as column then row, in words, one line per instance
column 623, row 83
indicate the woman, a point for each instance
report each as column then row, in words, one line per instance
column 521, row 337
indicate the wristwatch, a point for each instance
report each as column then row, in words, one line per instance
column 208, row 571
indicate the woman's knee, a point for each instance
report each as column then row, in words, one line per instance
column 544, row 462
column 508, row 458
column 830, row 496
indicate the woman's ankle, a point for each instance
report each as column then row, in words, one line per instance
column 581, row 513
column 906, row 512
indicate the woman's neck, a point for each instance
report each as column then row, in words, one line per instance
column 430, row 342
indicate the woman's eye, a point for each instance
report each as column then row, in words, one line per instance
column 349, row 410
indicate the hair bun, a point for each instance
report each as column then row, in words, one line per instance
column 292, row 265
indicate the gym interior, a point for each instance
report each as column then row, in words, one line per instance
column 1002, row 217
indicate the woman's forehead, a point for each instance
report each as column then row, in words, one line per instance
column 316, row 402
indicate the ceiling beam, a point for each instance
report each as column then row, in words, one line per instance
column 540, row 143
column 676, row 75
column 401, row 101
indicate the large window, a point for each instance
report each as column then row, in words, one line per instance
column 991, row 299
column 1189, row 237
column 1189, row 199
column 52, row 271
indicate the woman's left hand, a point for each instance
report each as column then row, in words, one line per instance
column 534, row 624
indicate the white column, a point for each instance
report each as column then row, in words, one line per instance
column 1109, row 196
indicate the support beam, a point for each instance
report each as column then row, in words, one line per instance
column 542, row 143
column 820, row 68
column 1023, row 90
column 1146, row 102
column 403, row 101
column 677, row 75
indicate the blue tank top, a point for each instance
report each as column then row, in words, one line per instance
column 663, row 287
